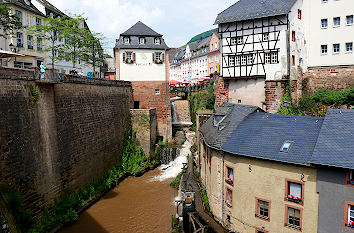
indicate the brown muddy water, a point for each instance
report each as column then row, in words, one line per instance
column 136, row 205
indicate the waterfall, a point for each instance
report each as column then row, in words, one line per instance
column 181, row 116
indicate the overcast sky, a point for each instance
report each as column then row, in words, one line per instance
column 177, row 20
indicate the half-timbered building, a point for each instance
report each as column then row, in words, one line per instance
column 256, row 38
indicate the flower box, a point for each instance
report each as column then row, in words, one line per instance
column 294, row 199
column 158, row 61
column 350, row 224
column 229, row 181
column 129, row 61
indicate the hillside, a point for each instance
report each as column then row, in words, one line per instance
column 201, row 36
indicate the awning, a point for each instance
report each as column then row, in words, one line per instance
column 6, row 54
column 174, row 82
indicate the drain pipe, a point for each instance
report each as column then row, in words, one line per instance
column 167, row 99
column 223, row 180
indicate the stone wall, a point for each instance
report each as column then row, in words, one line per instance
column 144, row 92
column 332, row 78
column 68, row 135
column 145, row 124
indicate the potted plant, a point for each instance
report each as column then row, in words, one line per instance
column 294, row 199
column 158, row 61
column 229, row 181
column 129, row 60
column 351, row 224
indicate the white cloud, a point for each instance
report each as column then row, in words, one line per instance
column 178, row 20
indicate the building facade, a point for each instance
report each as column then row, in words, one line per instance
column 264, row 43
column 274, row 173
column 141, row 56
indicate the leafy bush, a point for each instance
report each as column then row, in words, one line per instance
column 176, row 181
column 204, row 197
column 175, row 224
column 330, row 97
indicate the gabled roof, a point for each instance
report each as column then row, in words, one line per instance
column 335, row 144
column 252, row 9
column 261, row 135
column 140, row 29
column 204, row 42
column 22, row 4
column 219, row 126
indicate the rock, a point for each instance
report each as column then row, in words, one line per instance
column 180, row 137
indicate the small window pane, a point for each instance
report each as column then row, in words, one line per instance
column 336, row 21
column 349, row 47
column 324, row 23
column 324, row 49
column 336, row 48
column 286, row 146
column 295, row 190
column 349, row 19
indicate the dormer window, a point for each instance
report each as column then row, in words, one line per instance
column 126, row 40
column 218, row 119
column 286, row 146
column 141, row 40
column 157, row 41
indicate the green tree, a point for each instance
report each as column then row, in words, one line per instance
column 52, row 30
column 92, row 53
column 8, row 21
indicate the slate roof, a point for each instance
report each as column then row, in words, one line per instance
column 140, row 29
column 261, row 135
column 252, row 9
column 315, row 140
column 22, row 4
column 172, row 53
column 204, row 42
column 335, row 145
column 234, row 114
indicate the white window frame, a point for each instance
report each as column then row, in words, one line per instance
column 243, row 59
column 250, row 59
column 126, row 40
column 267, row 58
column 350, row 210
column 141, row 40
column 239, row 40
column 324, row 1
column 287, row 145
column 157, row 91
column 324, row 23
column 30, row 42
column 324, row 49
column 335, row 50
column 265, row 36
column 347, row 17
column 233, row 41
column 129, row 55
column 231, row 61
column 274, row 57
column 334, row 22
column 237, row 60
column 349, row 45
column 157, row 41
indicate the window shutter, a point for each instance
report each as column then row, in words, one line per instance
column 163, row 57
column 133, row 57
column 123, row 57
column 153, row 57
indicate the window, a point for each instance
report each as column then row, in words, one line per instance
column 211, row 70
column 19, row 17
column 350, row 177
column 350, row 20
column 294, row 191
column 229, row 197
column 211, row 59
column 299, row 15
column 231, row 60
column 265, row 36
column 19, row 39
column 293, row 59
column 262, row 209
column 324, row 23
column 29, row 19
column 157, row 57
column 228, row 220
column 239, row 40
column 250, row 59
column 216, row 45
column 141, row 40
column 233, row 41
column 349, row 47
column 38, row 21
column 243, row 60
column 324, row 1
column 217, row 57
column 286, row 146
column 229, row 175
column 212, row 46
column 30, row 42
column 294, row 218
column 267, row 58
column 128, row 57
column 336, row 21
column 324, row 49
column 238, row 60
column 239, row 101
column 157, row 91
column 157, row 41
column 349, row 214
column 293, row 38
column 336, row 48
column 274, row 57
column 126, row 40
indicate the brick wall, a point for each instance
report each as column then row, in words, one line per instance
column 71, row 135
column 274, row 91
column 144, row 92
column 222, row 91
column 333, row 78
